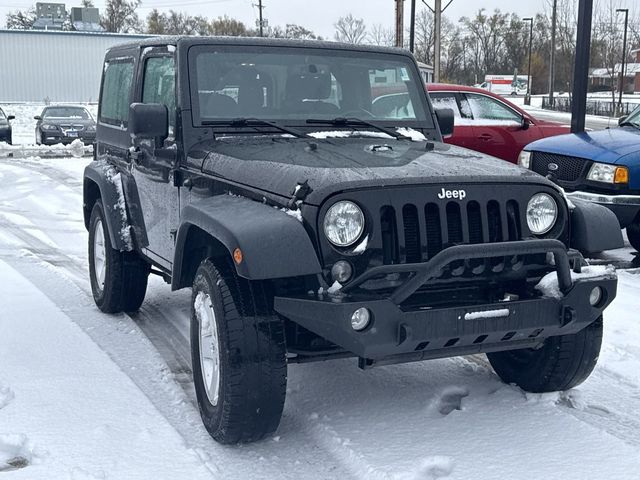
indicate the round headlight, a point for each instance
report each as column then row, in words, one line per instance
column 542, row 213
column 343, row 223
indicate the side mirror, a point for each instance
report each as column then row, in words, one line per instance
column 446, row 119
column 622, row 119
column 525, row 123
column 11, row 117
column 37, row 117
column 149, row 121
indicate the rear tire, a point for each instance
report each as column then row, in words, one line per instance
column 633, row 234
column 118, row 279
column 562, row 362
column 242, row 390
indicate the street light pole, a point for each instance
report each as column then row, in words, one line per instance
column 527, row 99
column 552, row 59
column 624, row 56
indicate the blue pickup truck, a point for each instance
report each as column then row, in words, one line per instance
column 602, row 167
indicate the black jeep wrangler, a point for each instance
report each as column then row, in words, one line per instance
column 301, row 189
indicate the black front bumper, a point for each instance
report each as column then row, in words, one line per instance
column 56, row 138
column 397, row 334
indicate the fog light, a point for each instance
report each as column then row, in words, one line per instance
column 595, row 296
column 341, row 271
column 360, row 319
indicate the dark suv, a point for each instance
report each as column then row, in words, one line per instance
column 5, row 127
column 310, row 228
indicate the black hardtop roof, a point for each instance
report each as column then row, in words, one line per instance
column 253, row 41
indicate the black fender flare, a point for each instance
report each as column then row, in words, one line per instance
column 273, row 243
column 594, row 228
column 102, row 175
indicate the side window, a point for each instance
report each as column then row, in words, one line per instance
column 160, row 85
column 445, row 100
column 485, row 108
column 116, row 92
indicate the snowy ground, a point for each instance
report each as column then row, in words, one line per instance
column 90, row 396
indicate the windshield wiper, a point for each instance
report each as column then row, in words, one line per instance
column 254, row 122
column 357, row 122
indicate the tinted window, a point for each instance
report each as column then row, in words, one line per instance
column 285, row 83
column 160, row 85
column 65, row 112
column 116, row 91
column 485, row 108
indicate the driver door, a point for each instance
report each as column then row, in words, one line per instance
column 153, row 165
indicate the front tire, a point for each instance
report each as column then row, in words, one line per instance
column 562, row 362
column 118, row 279
column 238, row 355
column 633, row 234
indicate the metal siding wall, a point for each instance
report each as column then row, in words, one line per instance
column 35, row 66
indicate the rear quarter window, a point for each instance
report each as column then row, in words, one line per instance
column 117, row 81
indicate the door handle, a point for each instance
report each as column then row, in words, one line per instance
column 485, row 137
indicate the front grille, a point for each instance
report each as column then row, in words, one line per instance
column 78, row 128
column 416, row 233
column 569, row 168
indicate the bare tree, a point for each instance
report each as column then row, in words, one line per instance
column 21, row 20
column 228, row 27
column 350, row 29
column 120, row 16
column 382, row 36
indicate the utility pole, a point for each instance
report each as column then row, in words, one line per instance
column 552, row 59
column 624, row 56
column 260, row 21
column 437, row 44
column 527, row 98
column 581, row 70
column 412, row 27
column 400, row 23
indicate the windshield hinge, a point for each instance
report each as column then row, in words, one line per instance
column 299, row 193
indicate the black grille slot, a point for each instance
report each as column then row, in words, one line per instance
column 475, row 222
column 454, row 224
column 389, row 231
column 569, row 169
column 434, row 231
column 495, row 222
column 411, row 234
column 513, row 220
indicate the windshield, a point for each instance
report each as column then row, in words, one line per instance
column 66, row 112
column 633, row 118
column 295, row 85
column 3, row 119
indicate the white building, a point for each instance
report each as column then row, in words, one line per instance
column 37, row 65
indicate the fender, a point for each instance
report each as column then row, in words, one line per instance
column 594, row 228
column 273, row 244
column 111, row 193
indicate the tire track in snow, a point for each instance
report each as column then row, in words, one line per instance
column 602, row 402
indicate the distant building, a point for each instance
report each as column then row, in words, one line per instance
column 86, row 19
column 603, row 78
column 58, row 66
column 636, row 53
column 50, row 16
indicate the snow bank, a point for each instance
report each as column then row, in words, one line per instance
column 74, row 149
column 548, row 285
column 73, row 411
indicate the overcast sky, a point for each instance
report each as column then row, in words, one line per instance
column 317, row 15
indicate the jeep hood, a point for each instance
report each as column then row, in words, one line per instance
column 607, row 146
column 278, row 164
